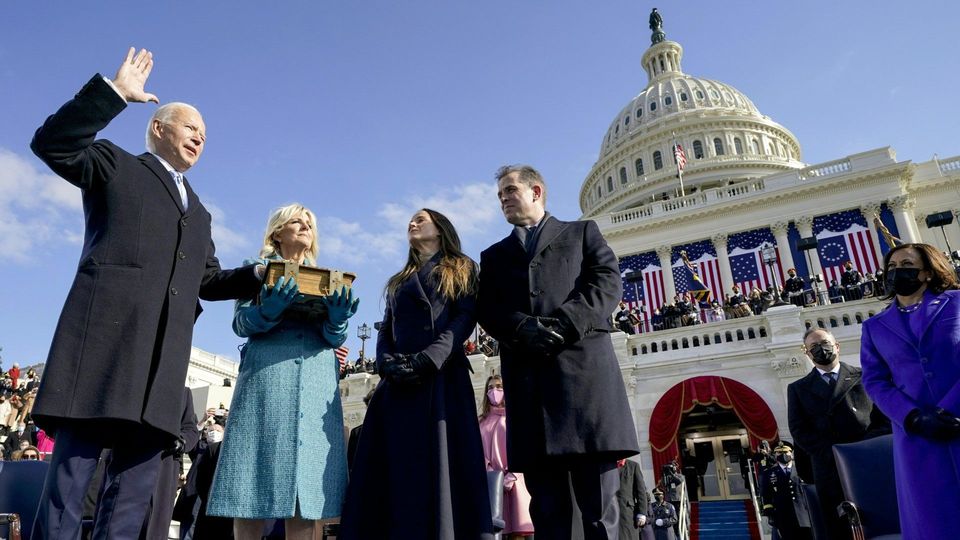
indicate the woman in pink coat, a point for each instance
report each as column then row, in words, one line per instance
column 493, row 431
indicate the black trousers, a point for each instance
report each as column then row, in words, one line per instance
column 129, row 482
column 574, row 500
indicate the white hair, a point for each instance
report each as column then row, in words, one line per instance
column 164, row 114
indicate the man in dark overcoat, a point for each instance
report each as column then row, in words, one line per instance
column 157, row 524
column 830, row 406
column 632, row 498
column 127, row 323
column 546, row 293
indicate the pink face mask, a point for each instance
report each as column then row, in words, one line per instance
column 495, row 395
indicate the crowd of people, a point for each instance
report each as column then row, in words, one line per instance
column 685, row 310
column 423, row 458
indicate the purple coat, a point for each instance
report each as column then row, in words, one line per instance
column 902, row 372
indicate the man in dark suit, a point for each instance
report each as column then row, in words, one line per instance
column 826, row 407
column 128, row 319
column 546, row 293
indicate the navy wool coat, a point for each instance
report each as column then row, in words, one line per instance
column 120, row 352
column 901, row 372
column 573, row 404
column 419, row 470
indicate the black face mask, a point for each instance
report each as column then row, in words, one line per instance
column 823, row 354
column 785, row 458
column 904, row 281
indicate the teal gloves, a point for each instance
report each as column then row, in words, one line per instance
column 341, row 305
column 274, row 301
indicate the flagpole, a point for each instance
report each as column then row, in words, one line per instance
column 679, row 168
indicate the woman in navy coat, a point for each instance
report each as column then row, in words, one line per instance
column 910, row 354
column 284, row 453
column 420, row 467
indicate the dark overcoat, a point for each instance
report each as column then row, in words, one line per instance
column 902, row 372
column 122, row 344
column 821, row 416
column 573, row 404
column 419, row 469
column 632, row 498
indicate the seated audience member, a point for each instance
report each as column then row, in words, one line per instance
column 835, row 292
column 28, row 453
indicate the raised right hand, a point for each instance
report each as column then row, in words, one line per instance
column 274, row 301
column 132, row 76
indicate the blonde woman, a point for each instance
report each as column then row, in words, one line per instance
column 284, row 455
column 419, row 469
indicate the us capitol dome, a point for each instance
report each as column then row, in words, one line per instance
column 724, row 136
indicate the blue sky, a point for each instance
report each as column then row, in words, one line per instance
column 366, row 111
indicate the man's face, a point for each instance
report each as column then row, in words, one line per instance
column 180, row 142
column 521, row 204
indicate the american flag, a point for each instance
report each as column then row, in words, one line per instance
column 341, row 353
column 679, row 156
column 704, row 259
column 843, row 237
column 649, row 294
column 746, row 261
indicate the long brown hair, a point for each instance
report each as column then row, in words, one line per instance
column 485, row 403
column 457, row 272
column 942, row 275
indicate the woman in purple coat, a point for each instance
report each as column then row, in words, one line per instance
column 910, row 355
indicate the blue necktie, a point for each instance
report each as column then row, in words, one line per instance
column 178, row 180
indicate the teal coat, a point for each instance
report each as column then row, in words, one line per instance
column 284, row 439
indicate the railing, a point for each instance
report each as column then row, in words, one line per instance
column 755, row 497
column 950, row 165
column 841, row 314
column 754, row 330
column 821, row 170
column 684, row 518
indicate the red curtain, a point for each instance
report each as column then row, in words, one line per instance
column 682, row 398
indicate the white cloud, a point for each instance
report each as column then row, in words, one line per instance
column 227, row 240
column 37, row 209
column 472, row 208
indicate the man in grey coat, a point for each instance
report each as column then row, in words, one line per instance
column 115, row 372
column 547, row 291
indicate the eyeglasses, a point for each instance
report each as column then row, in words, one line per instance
column 31, row 455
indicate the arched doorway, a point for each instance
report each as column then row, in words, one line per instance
column 709, row 422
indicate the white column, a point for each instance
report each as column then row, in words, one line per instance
column 726, row 276
column 779, row 230
column 805, row 227
column 669, row 289
column 902, row 208
column 869, row 210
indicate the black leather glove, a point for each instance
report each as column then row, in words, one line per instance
column 938, row 425
column 536, row 334
column 407, row 368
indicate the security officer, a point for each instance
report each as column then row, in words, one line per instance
column 850, row 281
column 663, row 517
column 794, row 286
column 780, row 491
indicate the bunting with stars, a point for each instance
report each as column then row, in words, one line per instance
column 843, row 237
column 648, row 295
